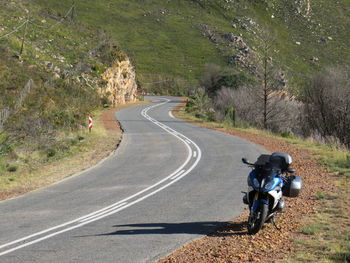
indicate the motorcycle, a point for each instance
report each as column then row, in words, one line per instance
column 271, row 178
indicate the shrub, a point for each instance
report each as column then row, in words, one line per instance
column 241, row 100
column 284, row 114
column 327, row 104
column 73, row 141
column 230, row 114
column 287, row 134
column 12, row 168
column 200, row 104
column 51, row 152
column 216, row 78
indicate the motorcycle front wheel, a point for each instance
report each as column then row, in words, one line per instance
column 257, row 220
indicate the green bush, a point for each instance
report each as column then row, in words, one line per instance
column 140, row 98
column 5, row 148
column 51, row 152
column 12, row 168
column 199, row 115
column 230, row 115
column 2, row 166
column 287, row 134
column 209, row 116
column 73, row 141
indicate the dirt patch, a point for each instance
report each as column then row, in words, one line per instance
column 231, row 243
column 109, row 121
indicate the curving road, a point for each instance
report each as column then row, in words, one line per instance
column 168, row 183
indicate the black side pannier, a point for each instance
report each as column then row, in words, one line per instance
column 292, row 186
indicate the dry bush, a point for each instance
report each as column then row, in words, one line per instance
column 201, row 105
column 327, row 105
column 243, row 101
column 284, row 113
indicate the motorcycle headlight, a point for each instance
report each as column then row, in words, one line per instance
column 269, row 185
column 256, row 183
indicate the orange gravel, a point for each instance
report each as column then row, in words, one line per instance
column 231, row 243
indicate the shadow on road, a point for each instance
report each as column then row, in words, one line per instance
column 204, row 228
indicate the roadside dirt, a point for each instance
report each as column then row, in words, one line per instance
column 109, row 121
column 231, row 243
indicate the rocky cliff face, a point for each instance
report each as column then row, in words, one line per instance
column 303, row 7
column 121, row 84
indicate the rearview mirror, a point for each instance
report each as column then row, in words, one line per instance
column 244, row 160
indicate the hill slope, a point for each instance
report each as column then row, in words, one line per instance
column 62, row 61
column 176, row 38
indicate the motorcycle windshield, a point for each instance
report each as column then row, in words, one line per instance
column 264, row 178
column 268, row 173
column 271, row 178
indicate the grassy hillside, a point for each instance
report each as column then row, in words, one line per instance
column 64, row 59
column 171, row 38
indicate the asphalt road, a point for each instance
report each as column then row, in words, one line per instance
column 169, row 183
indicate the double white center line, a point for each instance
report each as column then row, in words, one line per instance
column 193, row 157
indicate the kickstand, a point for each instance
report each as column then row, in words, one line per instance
column 274, row 223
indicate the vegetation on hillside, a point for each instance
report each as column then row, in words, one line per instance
column 61, row 61
column 174, row 39
column 266, row 52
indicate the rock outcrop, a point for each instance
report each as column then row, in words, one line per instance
column 303, row 7
column 121, row 86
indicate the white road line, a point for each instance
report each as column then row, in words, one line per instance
column 194, row 154
column 102, row 213
column 120, row 205
column 177, row 175
column 171, row 115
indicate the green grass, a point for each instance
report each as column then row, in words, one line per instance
column 163, row 37
column 314, row 228
column 325, row 196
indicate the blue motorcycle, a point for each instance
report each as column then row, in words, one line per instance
column 268, row 182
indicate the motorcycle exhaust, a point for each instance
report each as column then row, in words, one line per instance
column 280, row 205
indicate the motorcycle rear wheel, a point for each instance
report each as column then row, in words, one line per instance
column 255, row 223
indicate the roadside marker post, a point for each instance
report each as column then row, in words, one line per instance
column 90, row 123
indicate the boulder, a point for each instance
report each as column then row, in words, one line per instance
column 121, row 84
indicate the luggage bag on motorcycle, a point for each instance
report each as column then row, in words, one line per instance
column 292, row 186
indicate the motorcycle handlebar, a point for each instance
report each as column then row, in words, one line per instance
column 245, row 161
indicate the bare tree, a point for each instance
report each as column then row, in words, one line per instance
column 269, row 79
